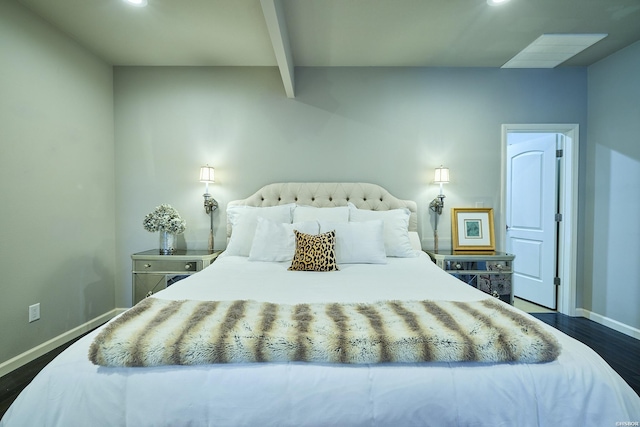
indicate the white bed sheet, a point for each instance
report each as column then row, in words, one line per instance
column 578, row 389
column 236, row 277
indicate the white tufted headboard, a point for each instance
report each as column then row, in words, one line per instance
column 328, row 194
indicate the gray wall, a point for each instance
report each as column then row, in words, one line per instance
column 383, row 125
column 612, row 287
column 57, row 219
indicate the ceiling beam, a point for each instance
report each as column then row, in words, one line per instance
column 274, row 17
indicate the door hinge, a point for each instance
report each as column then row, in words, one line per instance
column 559, row 153
column 556, row 281
column 558, row 217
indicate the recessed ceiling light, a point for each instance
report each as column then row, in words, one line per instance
column 139, row 3
column 496, row 2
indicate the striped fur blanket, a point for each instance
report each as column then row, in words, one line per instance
column 160, row 332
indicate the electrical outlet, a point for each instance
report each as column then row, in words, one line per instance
column 34, row 312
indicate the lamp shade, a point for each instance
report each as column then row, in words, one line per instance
column 441, row 175
column 206, row 174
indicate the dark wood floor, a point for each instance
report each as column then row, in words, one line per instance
column 619, row 350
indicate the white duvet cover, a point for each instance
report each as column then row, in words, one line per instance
column 578, row 389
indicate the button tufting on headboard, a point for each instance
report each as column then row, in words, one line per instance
column 328, row 194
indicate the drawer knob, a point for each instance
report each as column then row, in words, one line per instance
column 187, row 266
column 499, row 267
column 458, row 266
column 147, row 266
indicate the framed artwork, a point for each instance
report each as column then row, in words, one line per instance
column 472, row 229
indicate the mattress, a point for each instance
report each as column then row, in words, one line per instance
column 577, row 389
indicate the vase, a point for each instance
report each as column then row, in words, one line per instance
column 167, row 243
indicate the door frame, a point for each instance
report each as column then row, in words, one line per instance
column 568, row 230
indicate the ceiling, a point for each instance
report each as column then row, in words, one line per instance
column 432, row 33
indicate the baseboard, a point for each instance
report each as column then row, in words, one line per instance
column 611, row 323
column 32, row 354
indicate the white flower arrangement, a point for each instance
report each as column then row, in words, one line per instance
column 164, row 218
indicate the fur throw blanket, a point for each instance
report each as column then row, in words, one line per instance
column 161, row 332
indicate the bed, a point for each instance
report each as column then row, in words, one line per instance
column 270, row 381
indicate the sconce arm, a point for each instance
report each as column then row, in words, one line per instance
column 210, row 204
column 437, row 204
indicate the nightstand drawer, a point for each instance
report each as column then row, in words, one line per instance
column 460, row 266
column 499, row 266
column 167, row 265
column 502, row 266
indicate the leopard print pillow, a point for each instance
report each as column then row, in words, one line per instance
column 315, row 252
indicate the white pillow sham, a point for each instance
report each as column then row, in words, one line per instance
column 275, row 241
column 358, row 242
column 396, row 229
column 244, row 220
column 312, row 213
column 414, row 238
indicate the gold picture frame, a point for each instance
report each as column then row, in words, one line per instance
column 472, row 230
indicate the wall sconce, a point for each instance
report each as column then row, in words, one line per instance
column 210, row 204
column 441, row 177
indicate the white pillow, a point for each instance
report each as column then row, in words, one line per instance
column 414, row 238
column 244, row 220
column 274, row 241
column 311, row 213
column 396, row 229
column 358, row 242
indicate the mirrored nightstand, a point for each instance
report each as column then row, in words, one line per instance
column 153, row 272
column 491, row 272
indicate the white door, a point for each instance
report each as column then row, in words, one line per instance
column 530, row 215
